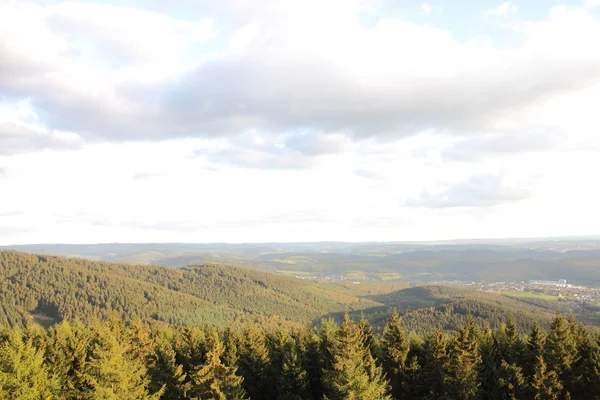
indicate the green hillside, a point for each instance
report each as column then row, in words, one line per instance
column 426, row 308
column 70, row 288
column 49, row 289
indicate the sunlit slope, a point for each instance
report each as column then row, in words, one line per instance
column 70, row 288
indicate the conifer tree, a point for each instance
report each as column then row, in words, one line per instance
column 354, row 375
column 434, row 374
column 308, row 347
column 23, row 374
column 371, row 342
column 395, row 353
column 287, row 366
column 68, row 348
column 214, row 380
column 561, row 349
column 327, row 343
column 465, row 362
column 254, row 365
column 544, row 383
column 165, row 371
column 584, row 377
column 230, row 342
column 114, row 375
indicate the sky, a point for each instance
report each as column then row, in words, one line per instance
column 285, row 121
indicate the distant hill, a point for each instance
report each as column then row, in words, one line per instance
column 69, row 288
column 428, row 307
column 47, row 289
column 577, row 259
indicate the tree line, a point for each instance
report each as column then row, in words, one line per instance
column 118, row 360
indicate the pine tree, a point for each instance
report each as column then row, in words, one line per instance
column 308, row 347
column 164, row 371
column 544, row 383
column 561, row 349
column 433, row 379
column 584, row 376
column 23, row 374
column 327, row 343
column 465, row 362
column 395, row 354
column 214, row 380
column 254, row 365
column 511, row 381
column 370, row 340
column 354, row 375
column 287, row 366
column 114, row 375
column 68, row 348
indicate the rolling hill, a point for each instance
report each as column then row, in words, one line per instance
column 69, row 288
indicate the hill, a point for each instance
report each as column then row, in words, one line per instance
column 577, row 259
column 51, row 289
column 425, row 308
column 70, row 288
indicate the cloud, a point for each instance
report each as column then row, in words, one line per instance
column 17, row 138
column 494, row 144
column 591, row 4
column 504, row 10
column 429, row 9
column 164, row 78
column 254, row 150
column 478, row 191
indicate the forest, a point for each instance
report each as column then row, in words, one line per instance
column 48, row 289
column 115, row 360
column 78, row 329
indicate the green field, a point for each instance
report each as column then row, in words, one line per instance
column 530, row 295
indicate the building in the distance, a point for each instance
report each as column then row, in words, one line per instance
column 560, row 282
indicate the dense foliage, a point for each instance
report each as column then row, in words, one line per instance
column 52, row 289
column 114, row 360
column 59, row 289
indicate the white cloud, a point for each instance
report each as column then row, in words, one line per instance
column 269, row 121
column 429, row 9
column 504, row 10
column 591, row 4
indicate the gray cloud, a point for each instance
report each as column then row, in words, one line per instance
column 478, row 191
column 271, row 152
column 16, row 139
column 275, row 94
column 500, row 143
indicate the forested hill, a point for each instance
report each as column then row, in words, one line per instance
column 54, row 288
column 425, row 308
column 50, row 289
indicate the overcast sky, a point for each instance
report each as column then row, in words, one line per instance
column 263, row 120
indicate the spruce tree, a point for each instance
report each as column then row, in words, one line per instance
column 213, row 380
column 23, row 374
column 164, row 371
column 287, row 366
column 68, row 348
column 395, row 347
column 434, row 375
column 584, row 382
column 465, row 362
column 561, row 349
column 354, row 374
column 308, row 346
column 254, row 365
column 113, row 374
column 544, row 383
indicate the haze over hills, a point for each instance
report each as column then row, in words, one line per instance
column 575, row 259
